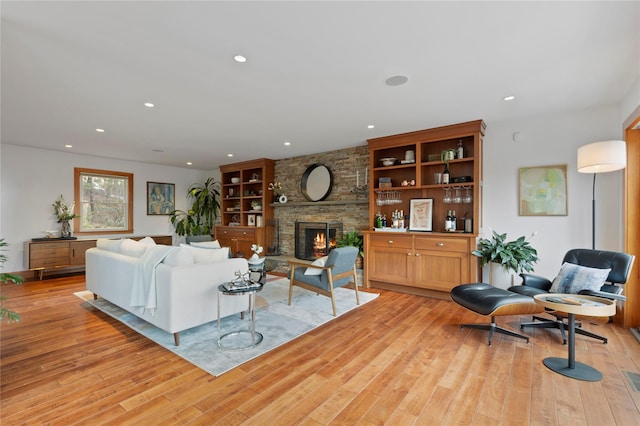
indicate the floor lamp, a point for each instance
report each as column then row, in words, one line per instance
column 600, row 157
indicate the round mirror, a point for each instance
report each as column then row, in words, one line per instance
column 317, row 182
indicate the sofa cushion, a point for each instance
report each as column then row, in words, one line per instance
column 206, row 244
column 108, row 244
column 132, row 248
column 575, row 278
column 207, row 255
column 179, row 256
column 147, row 241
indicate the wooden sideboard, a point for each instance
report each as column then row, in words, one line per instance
column 58, row 255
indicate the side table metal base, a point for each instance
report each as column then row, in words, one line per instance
column 580, row 371
column 238, row 340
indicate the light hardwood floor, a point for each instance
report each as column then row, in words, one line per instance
column 399, row 360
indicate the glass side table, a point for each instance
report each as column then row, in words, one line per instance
column 240, row 339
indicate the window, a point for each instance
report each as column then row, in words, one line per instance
column 104, row 201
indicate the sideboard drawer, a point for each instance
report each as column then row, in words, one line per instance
column 392, row 240
column 49, row 262
column 41, row 251
column 241, row 233
column 442, row 244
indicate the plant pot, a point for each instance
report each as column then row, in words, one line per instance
column 499, row 276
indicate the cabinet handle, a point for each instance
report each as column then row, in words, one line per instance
column 408, row 253
column 440, row 244
column 390, row 241
column 417, row 254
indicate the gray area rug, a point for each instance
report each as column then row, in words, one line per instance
column 278, row 322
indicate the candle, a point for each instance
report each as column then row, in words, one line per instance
column 357, row 178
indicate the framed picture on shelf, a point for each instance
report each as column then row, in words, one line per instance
column 543, row 191
column 421, row 214
column 161, row 198
column 251, row 220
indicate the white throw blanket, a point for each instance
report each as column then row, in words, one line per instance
column 143, row 290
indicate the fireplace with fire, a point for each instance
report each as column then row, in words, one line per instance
column 316, row 239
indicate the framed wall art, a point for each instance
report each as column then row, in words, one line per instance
column 161, row 198
column 543, row 191
column 421, row 214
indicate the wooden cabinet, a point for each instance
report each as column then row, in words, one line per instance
column 414, row 261
column 65, row 255
column 438, row 260
column 239, row 238
column 247, row 216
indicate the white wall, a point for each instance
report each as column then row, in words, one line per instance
column 552, row 140
column 32, row 179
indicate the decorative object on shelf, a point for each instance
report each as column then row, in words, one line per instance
column 504, row 256
column 361, row 191
column 447, row 155
column 276, row 187
column 251, row 220
column 161, row 198
column 256, row 205
column 600, row 157
column 235, row 180
column 254, row 178
column 389, row 161
column 421, row 214
column 543, row 191
column 199, row 220
column 64, row 213
column 317, row 182
column 282, row 199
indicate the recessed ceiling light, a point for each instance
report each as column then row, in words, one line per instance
column 189, row 163
column 396, row 80
column 239, row 58
column 68, row 146
column 149, row 105
column 370, row 126
column 229, row 155
column 100, row 130
column 158, row 150
column 509, row 98
column 287, row 143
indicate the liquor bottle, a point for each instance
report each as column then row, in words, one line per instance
column 447, row 221
column 446, row 174
column 401, row 223
column 454, row 221
column 460, row 149
column 378, row 220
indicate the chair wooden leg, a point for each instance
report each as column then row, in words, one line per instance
column 355, row 284
column 333, row 300
column 293, row 268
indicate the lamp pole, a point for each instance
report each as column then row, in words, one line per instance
column 593, row 214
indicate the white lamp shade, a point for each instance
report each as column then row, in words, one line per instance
column 602, row 157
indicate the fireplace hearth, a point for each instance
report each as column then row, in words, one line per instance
column 316, row 239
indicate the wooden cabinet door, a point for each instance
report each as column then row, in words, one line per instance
column 440, row 270
column 49, row 255
column 391, row 265
column 77, row 250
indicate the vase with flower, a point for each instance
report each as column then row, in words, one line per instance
column 64, row 213
column 276, row 187
column 255, row 257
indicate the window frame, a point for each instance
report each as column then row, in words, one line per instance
column 78, row 172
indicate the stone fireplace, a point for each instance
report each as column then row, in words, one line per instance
column 316, row 239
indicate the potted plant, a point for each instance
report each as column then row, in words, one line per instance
column 6, row 279
column 355, row 240
column 504, row 256
column 64, row 213
column 202, row 215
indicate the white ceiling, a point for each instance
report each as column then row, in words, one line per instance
column 315, row 74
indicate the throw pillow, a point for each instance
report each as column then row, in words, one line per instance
column 132, row 248
column 147, row 241
column 318, row 262
column 203, row 255
column 206, row 244
column 574, row 278
column 108, row 244
column 179, row 256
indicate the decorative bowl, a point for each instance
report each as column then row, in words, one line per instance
column 390, row 161
column 235, row 180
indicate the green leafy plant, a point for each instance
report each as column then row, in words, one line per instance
column 517, row 255
column 202, row 215
column 6, row 279
column 352, row 239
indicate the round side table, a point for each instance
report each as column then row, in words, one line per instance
column 585, row 305
column 237, row 340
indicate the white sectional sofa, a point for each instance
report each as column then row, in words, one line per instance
column 182, row 281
